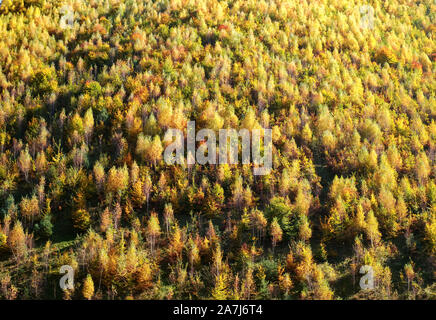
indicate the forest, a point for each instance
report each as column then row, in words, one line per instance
column 88, row 90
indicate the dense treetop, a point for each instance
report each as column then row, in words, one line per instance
column 83, row 114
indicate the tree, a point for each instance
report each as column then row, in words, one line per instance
column 302, row 202
column 103, row 264
column 372, row 228
column 88, row 125
column 193, row 255
column 149, row 149
column 44, row 228
column 17, row 242
column 215, row 200
column 276, row 232
column 151, row 126
column 430, row 234
column 25, row 163
column 105, row 220
column 258, row 223
column 168, row 216
column 303, row 264
column 410, row 274
column 88, row 288
column 176, row 245
column 217, row 263
column 116, row 215
column 3, row 241
column 237, row 193
column 153, row 230
column 117, row 180
column 144, row 275
column 306, row 134
column 422, row 168
column 280, row 208
column 30, row 208
column 385, row 54
column 285, row 282
column 132, row 260
column 305, row 231
column 147, row 185
column 44, row 81
column 220, row 290
column 41, row 163
column 81, row 219
column 137, row 194
column 321, row 290
column 99, row 175
column 248, row 285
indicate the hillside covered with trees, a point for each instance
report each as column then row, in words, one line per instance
column 86, row 96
